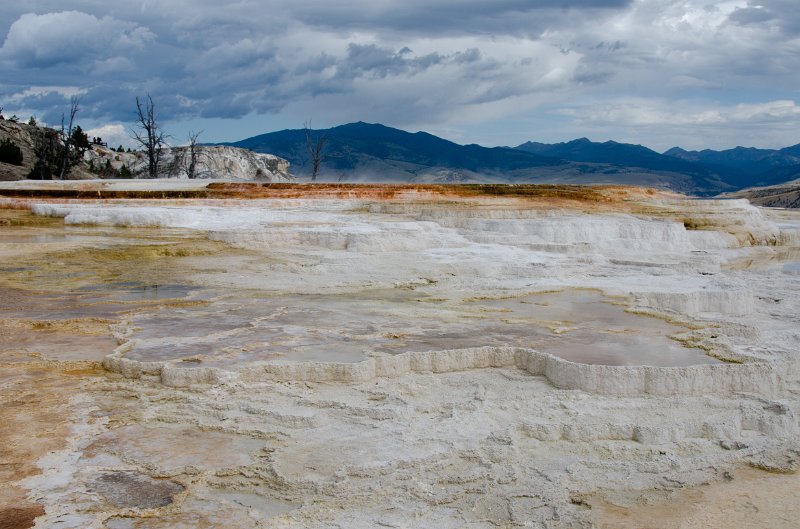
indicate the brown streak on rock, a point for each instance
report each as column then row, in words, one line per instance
column 20, row 517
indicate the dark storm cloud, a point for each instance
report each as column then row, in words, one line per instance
column 315, row 65
column 473, row 16
column 751, row 15
column 369, row 60
column 783, row 14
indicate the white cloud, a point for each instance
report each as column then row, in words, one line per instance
column 690, row 124
column 38, row 91
column 114, row 134
column 68, row 37
column 646, row 112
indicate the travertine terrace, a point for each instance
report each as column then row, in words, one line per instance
column 245, row 355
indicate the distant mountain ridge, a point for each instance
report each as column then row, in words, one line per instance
column 374, row 152
column 751, row 166
column 750, row 157
column 611, row 152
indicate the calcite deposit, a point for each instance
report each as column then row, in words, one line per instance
column 397, row 356
column 211, row 162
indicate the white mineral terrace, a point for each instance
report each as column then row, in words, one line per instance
column 408, row 362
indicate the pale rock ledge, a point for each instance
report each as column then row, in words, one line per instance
column 213, row 162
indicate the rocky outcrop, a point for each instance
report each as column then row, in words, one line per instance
column 213, row 162
column 25, row 136
column 22, row 136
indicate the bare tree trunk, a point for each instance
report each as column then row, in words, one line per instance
column 315, row 147
column 66, row 135
column 192, row 153
column 149, row 136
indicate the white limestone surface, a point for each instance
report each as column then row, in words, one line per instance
column 368, row 363
column 211, row 162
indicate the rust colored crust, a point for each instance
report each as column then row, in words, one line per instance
column 247, row 190
column 20, row 517
column 35, row 413
column 390, row 191
column 752, row 498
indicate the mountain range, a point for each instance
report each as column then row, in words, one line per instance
column 377, row 153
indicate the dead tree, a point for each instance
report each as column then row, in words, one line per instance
column 315, row 144
column 66, row 136
column 148, row 134
column 192, row 155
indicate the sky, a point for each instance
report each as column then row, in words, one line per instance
column 693, row 73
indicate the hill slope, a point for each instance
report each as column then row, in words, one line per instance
column 786, row 195
column 376, row 153
column 363, row 150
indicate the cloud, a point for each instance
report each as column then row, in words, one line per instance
column 779, row 14
column 113, row 134
column 689, row 123
column 435, row 64
column 442, row 17
column 665, row 113
column 69, row 38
